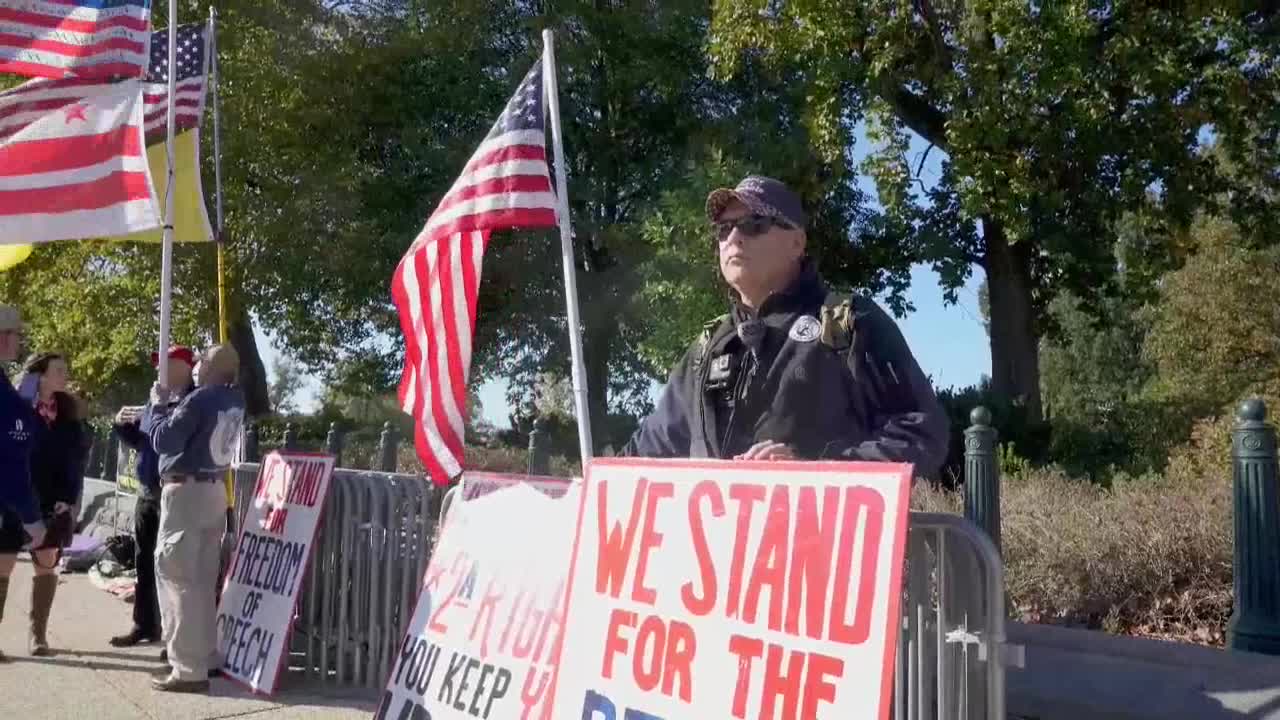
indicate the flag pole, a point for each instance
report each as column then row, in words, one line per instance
column 229, row 481
column 217, row 175
column 166, row 262
column 566, row 251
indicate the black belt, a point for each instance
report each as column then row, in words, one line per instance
column 183, row 479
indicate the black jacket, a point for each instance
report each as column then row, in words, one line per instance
column 59, row 459
column 867, row 402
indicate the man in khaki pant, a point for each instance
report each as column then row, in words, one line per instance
column 196, row 443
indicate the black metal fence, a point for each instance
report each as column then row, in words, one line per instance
column 357, row 449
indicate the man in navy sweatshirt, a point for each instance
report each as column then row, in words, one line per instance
column 19, row 509
column 196, row 442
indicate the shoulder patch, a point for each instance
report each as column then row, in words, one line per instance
column 837, row 321
column 805, row 329
column 704, row 339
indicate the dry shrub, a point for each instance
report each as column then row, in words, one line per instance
column 1147, row 557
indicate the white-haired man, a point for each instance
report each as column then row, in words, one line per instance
column 196, row 442
column 793, row 371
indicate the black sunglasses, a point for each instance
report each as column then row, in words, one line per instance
column 749, row 225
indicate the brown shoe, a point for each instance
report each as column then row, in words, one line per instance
column 173, row 684
column 43, row 588
column 4, row 592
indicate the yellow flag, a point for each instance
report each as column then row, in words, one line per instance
column 190, row 216
column 11, row 255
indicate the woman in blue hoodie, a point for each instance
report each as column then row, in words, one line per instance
column 57, row 476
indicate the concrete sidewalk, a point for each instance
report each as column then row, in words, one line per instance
column 88, row 679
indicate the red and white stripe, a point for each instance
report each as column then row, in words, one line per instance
column 72, row 162
column 506, row 184
column 59, row 38
column 190, row 107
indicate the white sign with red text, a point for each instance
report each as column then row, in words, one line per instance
column 260, row 591
column 486, row 632
column 742, row 590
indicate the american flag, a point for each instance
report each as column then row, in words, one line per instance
column 72, row 164
column 190, row 89
column 506, row 184
column 82, row 38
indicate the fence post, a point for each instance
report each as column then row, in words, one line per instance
column 251, row 452
column 333, row 444
column 539, row 453
column 110, row 457
column 1255, row 622
column 290, row 437
column 982, row 474
column 387, row 448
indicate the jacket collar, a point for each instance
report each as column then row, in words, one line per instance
column 806, row 291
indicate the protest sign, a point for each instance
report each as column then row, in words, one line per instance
column 126, row 478
column 734, row 590
column 261, row 588
column 485, row 633
column 475, row 484
column 127, row 481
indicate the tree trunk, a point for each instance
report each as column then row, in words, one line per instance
column 1015, row 350
column 598, row 347
column 253, row 375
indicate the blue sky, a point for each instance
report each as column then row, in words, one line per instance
column 948, row 340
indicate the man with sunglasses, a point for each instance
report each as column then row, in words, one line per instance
column 793, row 371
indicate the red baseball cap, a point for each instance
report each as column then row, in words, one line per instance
column 176, row 352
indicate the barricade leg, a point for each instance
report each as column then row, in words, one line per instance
column 951, row 644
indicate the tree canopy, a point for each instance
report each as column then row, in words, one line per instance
column 1060, row 126
column 1055, row 119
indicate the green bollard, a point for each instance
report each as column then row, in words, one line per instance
column 1255, row 622
column 982, row 475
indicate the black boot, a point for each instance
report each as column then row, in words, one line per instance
column 134, row 637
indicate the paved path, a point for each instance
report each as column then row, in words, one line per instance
column 90, row 680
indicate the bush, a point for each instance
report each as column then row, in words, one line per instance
column 1203, row 459
column 496, row 459
column 1148, row 556
column 1021, row 441
column 1132, row 437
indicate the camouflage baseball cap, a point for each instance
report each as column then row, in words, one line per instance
column 762, row 196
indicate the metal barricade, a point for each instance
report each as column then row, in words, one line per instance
column 367, row 563
column 952, row 649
